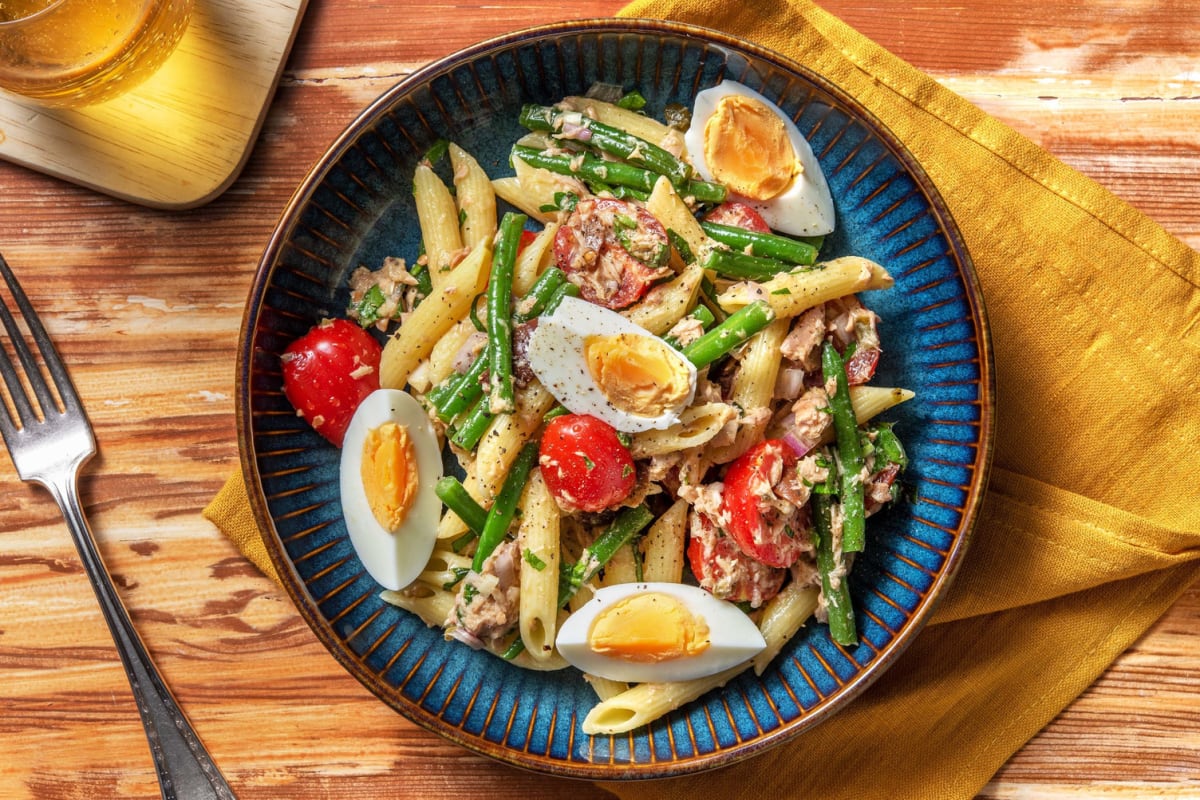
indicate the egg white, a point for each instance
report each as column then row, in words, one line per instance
column 733, row 637
column 803, row 209
column 557, row 358
column 394, row 560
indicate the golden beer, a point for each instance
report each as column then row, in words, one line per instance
column 76, row 52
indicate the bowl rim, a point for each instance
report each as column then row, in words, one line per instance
column 720, row 757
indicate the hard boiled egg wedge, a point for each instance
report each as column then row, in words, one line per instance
column 741, row 139
column 657, row 632
column 595, row 361
column 390, row 463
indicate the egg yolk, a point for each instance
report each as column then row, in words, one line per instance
column 649, row 627
column 638, row 374
column 389, row 473
column 746, row 147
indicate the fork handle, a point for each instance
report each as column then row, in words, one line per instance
column 185, row 769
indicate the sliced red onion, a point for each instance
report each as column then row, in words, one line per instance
column 466, row 637
column 798, row 445
column 790, row 383
column 579, row 133
column 504, row 567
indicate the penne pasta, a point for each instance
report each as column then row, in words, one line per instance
column 524, row 660
column 540, row 557
column 437, row 215
column 443, row 354
column 783, row 615
column 474, row 197
column 621, row 568
column 533, row 259
column 696, row 426
column 871, row 401
column 605, row 688
column 667, row 303
column 646, row 702
column 640, row 125
column 668, row 207
column 432, row 604
column 792, row 293
column 663, row 545
column 532, row 188
column 507, row 433
column 415, row 339
column 753, row 388
column 444, row 569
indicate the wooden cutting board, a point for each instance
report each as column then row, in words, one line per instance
column 179, row 139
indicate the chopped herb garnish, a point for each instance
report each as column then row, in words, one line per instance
column 366, row 310
column 532, row 560
column 624, row 221
column 632, row 101
column 681, row 246
column 435, row 154
column 459, row 573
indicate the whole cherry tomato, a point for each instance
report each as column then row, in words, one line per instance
column 765, row 527
column 328, row 371
column 584, row 464
column 738, row 215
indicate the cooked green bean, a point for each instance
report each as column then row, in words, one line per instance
column 501, row 398
column 535, row 300
column 451, row 492
column 454, row 395
column 888, row 445
column 470, row 427
column 830, row 564
column 590, row 168
column 462, row 390
column 501, row 514
column 735, row 329
column 736, row 264
column 850, row 453
column 608, row 139
column 702, row 315
column 764, row 245
column 627, row 524
column 567, row 289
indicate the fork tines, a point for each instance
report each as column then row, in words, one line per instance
column 18, row 399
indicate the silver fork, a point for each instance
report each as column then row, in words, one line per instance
column 50, row 439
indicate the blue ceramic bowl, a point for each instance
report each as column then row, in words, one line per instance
column 356, row 207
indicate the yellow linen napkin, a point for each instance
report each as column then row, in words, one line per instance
column 1091, row 525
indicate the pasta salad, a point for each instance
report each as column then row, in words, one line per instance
column 654, row 393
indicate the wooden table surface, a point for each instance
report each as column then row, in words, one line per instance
column 146, row 306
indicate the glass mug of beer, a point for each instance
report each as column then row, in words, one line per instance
column 79, row 52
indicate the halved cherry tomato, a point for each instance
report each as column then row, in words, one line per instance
column 526, row 239
column 738, row 215
column 328, row 371
column 584, row 464
column 612, row 250
column 765, row 527
column 724, row 570
column 861, row 366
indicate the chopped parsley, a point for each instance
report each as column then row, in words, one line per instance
column 532, row 560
